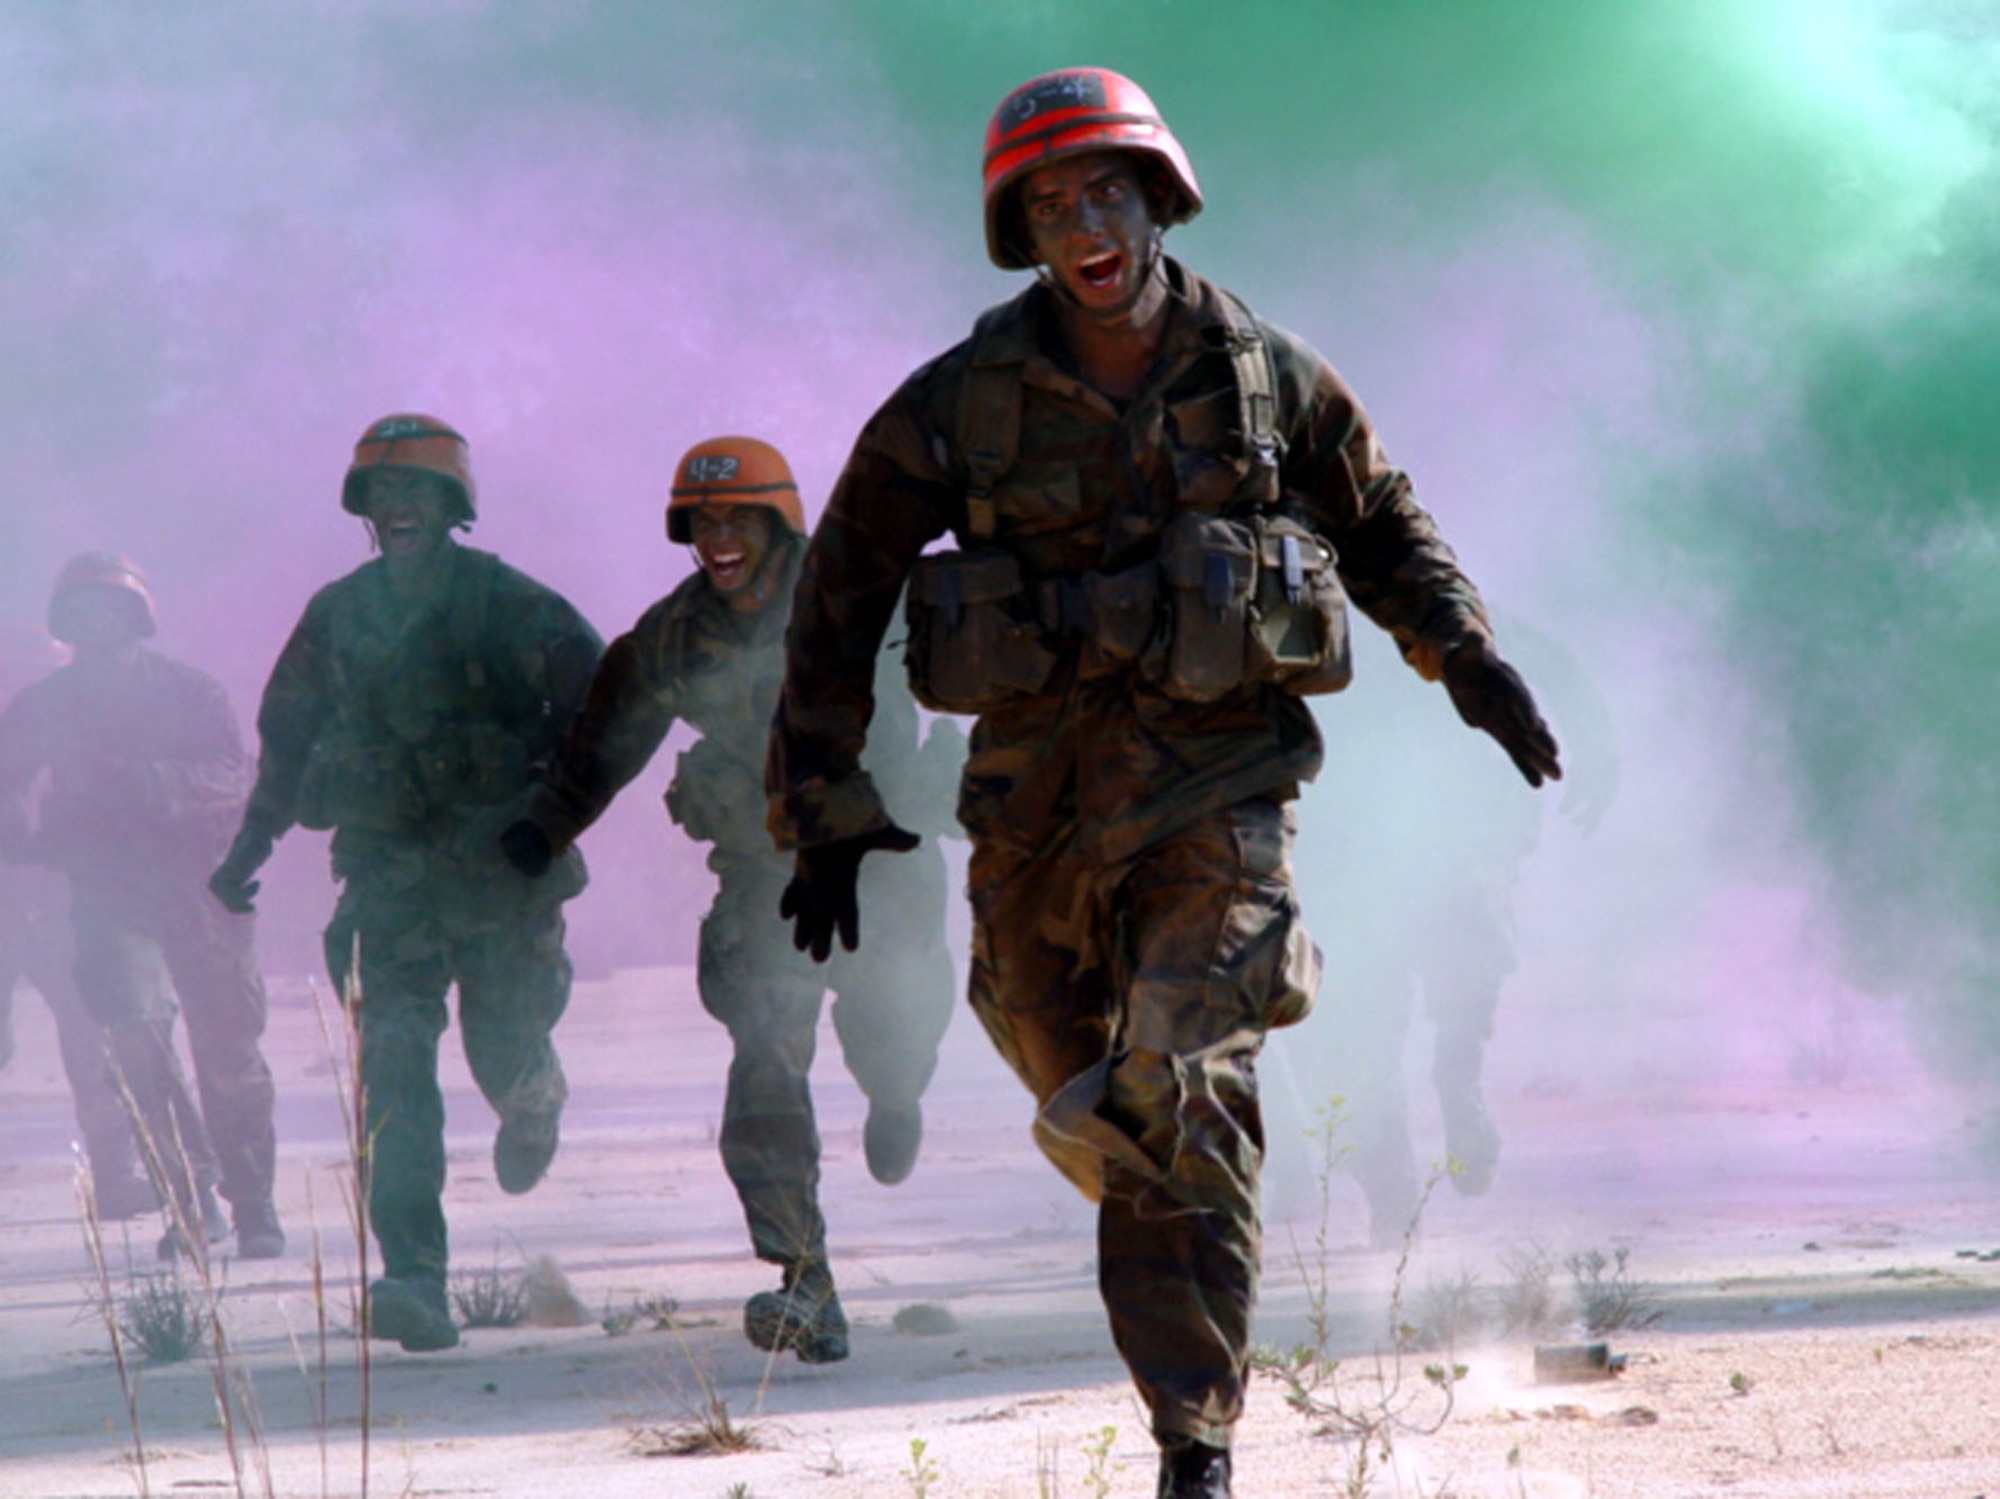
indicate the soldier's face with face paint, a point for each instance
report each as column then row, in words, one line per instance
column 410, row 513
column 731, row 542
column 1092, row 227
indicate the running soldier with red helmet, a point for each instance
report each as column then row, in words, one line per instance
column 147, row 774
column 405, row 713
column 1160, row 503
column 711, row 654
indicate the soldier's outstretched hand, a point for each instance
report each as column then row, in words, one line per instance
column 234, row 882
column 821, row 899
column 1489, row 694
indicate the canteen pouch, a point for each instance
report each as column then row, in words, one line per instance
column 974, row 641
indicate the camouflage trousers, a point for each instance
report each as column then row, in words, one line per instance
column 513, row 977
column 893, row 998
column 1133, row 998
column 38, row 951
column 134, row 958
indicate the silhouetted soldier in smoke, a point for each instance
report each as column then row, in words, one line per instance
column 1437, row 833
column 1157, row 497
column 405, row 713
column 146, row 776
column 35, row 949
column 712, row 653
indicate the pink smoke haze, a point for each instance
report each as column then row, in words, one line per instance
column 231, row 245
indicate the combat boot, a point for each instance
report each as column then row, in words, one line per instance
column 802, row 1316
column 411, row 1312
column 122, row 1195
column 205, row 1217
column 1193, row 1470
column 258, row 1236
column 1472, row 1142
column 523, row 1149
column 891, row 1139
column 1469, row 1136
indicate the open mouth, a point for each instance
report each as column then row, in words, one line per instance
column 1100, row 271
column 402, row 535
column 726, row 567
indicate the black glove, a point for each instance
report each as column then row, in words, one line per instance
column 528, row 848
column 234, row 882
column 1489, row 694
column 821, row 897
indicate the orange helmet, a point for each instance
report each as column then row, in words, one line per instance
column 1067, row 113
column 410, row 441
column 733, row 471
column 89, row 570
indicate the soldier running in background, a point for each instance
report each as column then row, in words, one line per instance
column 1426, row 912
column 1157, row 498
column 405, row 713
column 712, row 653
column 35, row 950
column 146, row 776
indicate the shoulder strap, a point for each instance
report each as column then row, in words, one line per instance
column 988, row 418
column 469, row 615
column 1256, row 394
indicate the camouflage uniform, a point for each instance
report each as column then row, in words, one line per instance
column 148, row 773
column 692, row 657
column 409, row 726
column 1136, row 929
column 35, row 949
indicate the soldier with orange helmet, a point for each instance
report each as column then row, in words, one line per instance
column 1160, row 503
column 405, row 714
column 147, row 773
column 711, row 654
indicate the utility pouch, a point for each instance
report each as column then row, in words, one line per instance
column 365, row 787
column 477, row 764
column 1208, row 575
column 712, row 798
column 1298, row 624
column 974, row 641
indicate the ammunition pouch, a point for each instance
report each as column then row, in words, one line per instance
column 975, row 641
column 1247, row 602
column 1208, row 574
column 713, row 797
column 1228, row 604
column 479, row 763
column 365, row 786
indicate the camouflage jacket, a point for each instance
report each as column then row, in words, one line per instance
column 1091, row 488
column 404, row 722
column 146, row 765
column 693, row 658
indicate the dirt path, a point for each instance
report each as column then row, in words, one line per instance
column 1825, row 1329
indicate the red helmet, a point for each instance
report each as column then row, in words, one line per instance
column 1067, row 113
column 89, row 570
column 411, row 441
column 730, row 471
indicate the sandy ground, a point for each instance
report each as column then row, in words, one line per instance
column 1826, row 1326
